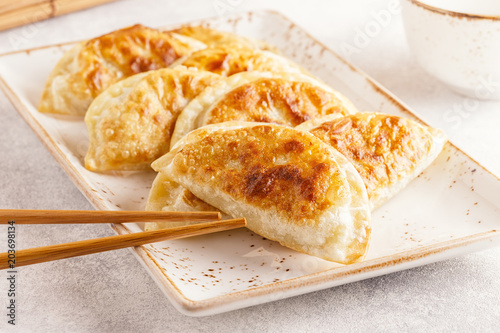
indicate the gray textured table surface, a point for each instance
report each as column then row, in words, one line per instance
column 111, row 292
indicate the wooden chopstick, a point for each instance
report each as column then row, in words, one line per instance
column 80, row 248
column 34, row 216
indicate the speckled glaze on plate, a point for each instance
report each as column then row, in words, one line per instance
column 451, row 209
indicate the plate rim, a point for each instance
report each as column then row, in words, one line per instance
column 251, row 296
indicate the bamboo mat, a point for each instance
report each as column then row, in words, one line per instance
column 14, row 13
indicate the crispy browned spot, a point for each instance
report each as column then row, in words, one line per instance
column 125, row 52
column 276, row 101
column 257, row 166
column 295, row 146
column 379, row 146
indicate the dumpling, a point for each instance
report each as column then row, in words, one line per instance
column 131, row 122
column 170, row 196
column 231, row 58
column 280, row 98
column 213, row 37
column 387, row 151
column 289, row 185
column 92, row 66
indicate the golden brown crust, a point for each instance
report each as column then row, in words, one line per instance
column 107, row 59
column 229, row 59
column 272, row 97
column 129, row 132
column 297, row 189
column 383, row 148
column 290, row 186
column 278, row 101
column 126, row 52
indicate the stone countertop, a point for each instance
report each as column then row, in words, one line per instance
column 111, row 292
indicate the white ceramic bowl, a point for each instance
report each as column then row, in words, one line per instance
column 458, row 42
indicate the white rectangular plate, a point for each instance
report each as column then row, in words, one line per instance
column 451, row 209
